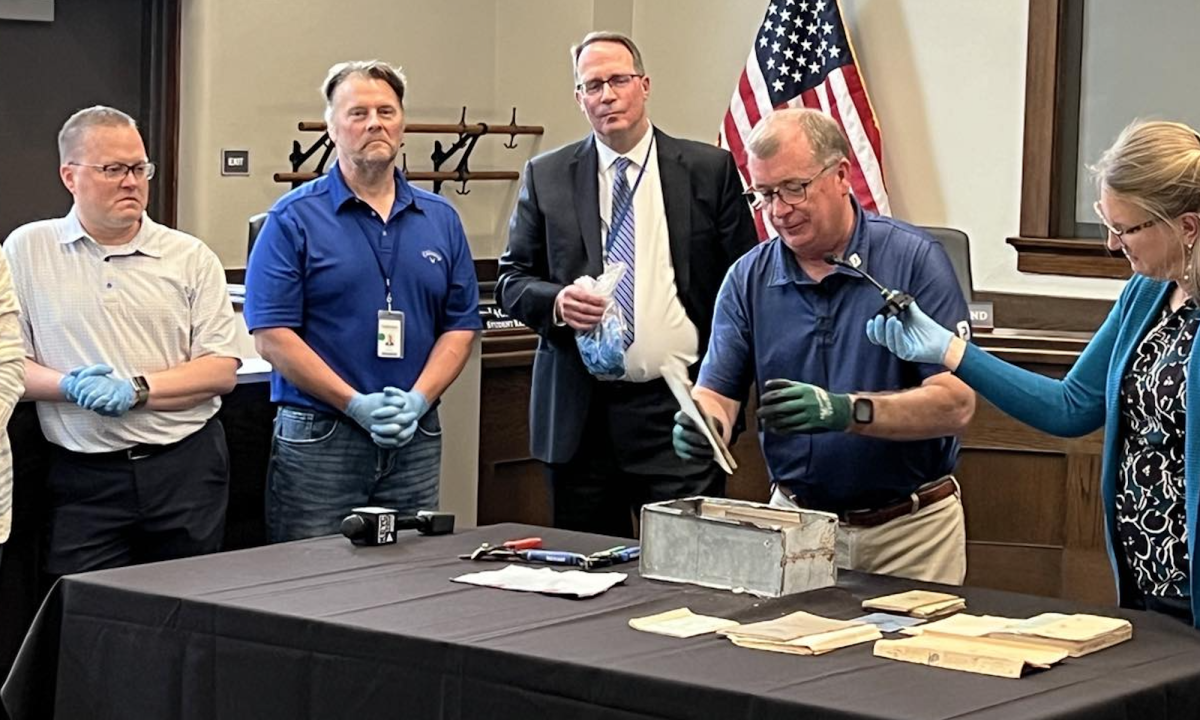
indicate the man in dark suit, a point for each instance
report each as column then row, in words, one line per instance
column 678, row 221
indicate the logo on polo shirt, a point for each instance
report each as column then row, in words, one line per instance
column 432, row 256
column 855, row 260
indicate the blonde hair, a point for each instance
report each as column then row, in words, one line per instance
column 1155, row 165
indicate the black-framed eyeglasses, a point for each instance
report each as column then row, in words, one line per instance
column 791, row 192
column 118, row 171
column 616, row 82
column 1121, row 234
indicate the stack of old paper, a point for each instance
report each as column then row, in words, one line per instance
column 801, row 634
column 681, row 623
column 1078, row 634
column 1006, row 647
column 917, row 603
column 984, row 656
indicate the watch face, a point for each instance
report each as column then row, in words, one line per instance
column 864, row 411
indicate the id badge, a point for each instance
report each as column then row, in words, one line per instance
column 389, row 341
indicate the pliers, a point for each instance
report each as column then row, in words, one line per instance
column 505, row 551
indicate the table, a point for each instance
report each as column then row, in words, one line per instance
column 322, row 629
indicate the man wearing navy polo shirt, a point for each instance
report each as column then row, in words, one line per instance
column 361, row 293
column 844, row 428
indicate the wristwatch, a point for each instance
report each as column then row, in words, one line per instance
column 863, row 411
column 141, row 391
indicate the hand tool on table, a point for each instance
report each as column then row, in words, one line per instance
column 504, row 551
column 612, row 556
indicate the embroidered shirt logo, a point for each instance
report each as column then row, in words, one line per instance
column 432, row 256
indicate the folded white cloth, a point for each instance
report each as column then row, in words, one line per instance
column 575, row 583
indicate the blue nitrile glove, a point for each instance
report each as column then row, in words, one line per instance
column 105, row 395
column 688, row 441
column 398, row 428
column 70, row 380
column 370, row 410
column 789, row 407
column 918, row 338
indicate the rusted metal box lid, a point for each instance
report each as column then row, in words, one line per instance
column 738, row 545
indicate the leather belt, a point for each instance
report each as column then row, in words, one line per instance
column 923, row 497
column 141, row 451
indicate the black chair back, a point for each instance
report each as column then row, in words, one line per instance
column 256, row 223
column 958, row 247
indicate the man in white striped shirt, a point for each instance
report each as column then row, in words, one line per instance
column 129, row 340
column 12, row 376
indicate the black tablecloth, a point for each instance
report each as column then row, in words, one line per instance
column 321, row 629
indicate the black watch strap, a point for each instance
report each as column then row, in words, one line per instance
column 863, row 411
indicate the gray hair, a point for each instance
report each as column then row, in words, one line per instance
column 828, row 142
column 373, row 69
column 74, row 128
column 606, row 36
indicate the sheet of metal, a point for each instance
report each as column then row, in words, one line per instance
column 738, row 545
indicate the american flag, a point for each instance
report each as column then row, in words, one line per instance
column 802, row 57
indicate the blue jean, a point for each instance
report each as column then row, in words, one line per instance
column 323, row 465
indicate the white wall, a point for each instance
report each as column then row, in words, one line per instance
column 946, row 79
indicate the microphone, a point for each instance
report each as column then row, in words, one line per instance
column 895, row 301
column 378, row 526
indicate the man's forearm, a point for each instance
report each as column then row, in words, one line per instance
column 41, row 383
column 446, row 361
column 942, row 406
column 295, row 360
column 187, row 385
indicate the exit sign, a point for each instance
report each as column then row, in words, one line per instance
column 235, row 162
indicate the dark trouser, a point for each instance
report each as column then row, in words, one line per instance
column 143, row 505
column 624, row 461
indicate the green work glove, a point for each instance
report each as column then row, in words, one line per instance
column 789, row 407
column 688, row 441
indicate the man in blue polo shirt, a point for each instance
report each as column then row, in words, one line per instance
column 361, row 293
column 844, row 427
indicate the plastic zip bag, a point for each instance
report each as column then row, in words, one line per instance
column 603, row 347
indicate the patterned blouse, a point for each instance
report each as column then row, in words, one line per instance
column 1151, row 521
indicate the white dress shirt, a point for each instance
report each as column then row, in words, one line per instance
column 662, row 330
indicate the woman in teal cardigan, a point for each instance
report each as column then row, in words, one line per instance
column 1131, row 379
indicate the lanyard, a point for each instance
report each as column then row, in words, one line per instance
column 389, row 272
column 629, row 205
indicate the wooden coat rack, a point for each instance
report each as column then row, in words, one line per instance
column 468, row 135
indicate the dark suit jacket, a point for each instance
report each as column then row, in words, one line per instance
column 554, row 238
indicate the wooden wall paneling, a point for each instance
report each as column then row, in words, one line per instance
column 1018, row 568
column 1014, row 497
column 1040, row 99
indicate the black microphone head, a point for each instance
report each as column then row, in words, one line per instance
column 831, row 259
column 353, row 526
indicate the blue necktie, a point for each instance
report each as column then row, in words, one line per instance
column 621, row 247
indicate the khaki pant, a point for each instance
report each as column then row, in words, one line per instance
column 929, row 545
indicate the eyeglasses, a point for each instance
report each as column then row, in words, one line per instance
column 118, row 171
column 616, row 82
column 1121, row 234
column 791, row 192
